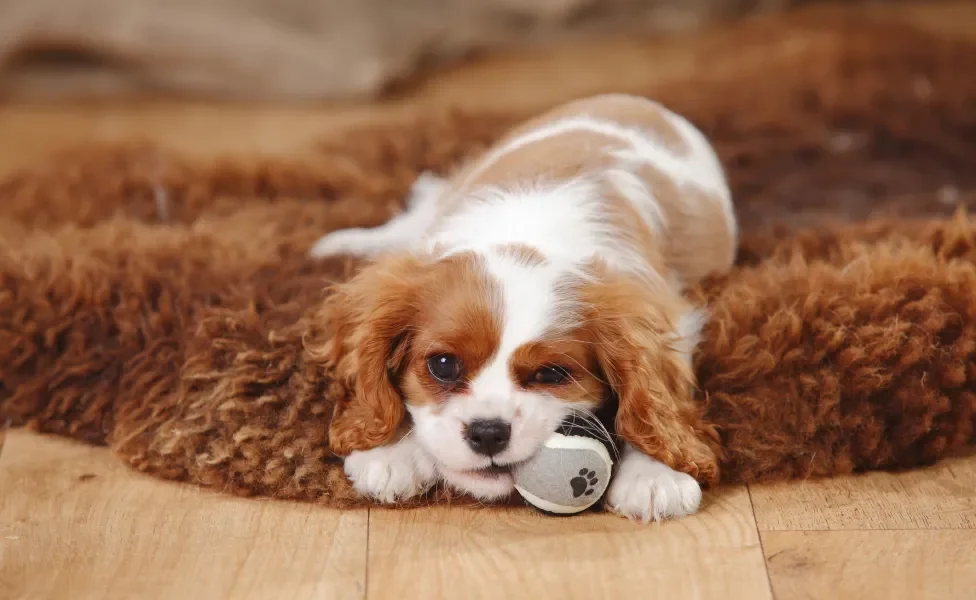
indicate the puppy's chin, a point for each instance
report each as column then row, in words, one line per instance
column 479, row 484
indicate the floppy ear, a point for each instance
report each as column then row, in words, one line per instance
column 644, row 337
column 371, row 317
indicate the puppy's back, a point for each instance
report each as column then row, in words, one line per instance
column 684, row 207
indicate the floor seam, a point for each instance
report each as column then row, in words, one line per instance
column 877, row 530
column 369, row 532
column 755, row 521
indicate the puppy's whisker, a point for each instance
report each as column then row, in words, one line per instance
column 597, row 428
column 597, row 433
column 581, row 366
column 592, row 419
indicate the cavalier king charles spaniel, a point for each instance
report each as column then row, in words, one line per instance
column 536, row 283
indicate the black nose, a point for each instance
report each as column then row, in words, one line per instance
column 488, row 437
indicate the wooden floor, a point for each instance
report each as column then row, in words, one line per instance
column 75, row 524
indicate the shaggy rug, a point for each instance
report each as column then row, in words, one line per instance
column 158, row 305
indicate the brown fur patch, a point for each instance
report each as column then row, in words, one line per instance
column 565, row 155
column 374, row 315
column 698, row 239
column 625, row 111
column 523, row 254
column 621, row 212
column 460, row 313
column 557, row 158
column 570, row 351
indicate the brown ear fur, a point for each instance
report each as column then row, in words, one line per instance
column 371, row 317
column 635, row 327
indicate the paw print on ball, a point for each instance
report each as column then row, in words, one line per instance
column 583, row 483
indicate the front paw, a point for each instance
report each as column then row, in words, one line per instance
column 648, row 490
column 393, row 473
column 427, row 187
column 344, row 241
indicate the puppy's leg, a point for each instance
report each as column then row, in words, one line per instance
column 646, row 490
column 397, row 471
column 399, row 233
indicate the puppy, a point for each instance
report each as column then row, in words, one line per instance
column 535, row 283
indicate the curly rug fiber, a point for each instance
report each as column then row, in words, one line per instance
column 158, row 305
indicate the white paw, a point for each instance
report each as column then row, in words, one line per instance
column 426, row 188
column 343, row 241
column 398, row 233
column 648, row 490
column 390, row 473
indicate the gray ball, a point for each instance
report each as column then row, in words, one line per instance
column 566, row 476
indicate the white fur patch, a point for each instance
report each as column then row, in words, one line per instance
column 689, row 332
column 485, row 488
column 646, row 490
column 533, row 417
column 402, row 232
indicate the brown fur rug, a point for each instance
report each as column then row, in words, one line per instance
column 158, row 305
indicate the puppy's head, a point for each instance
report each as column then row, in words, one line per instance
column 487, row 353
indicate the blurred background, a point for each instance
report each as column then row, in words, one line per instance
column 212, row 77
column 309, row 50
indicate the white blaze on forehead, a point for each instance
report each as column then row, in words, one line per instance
column 534, row 305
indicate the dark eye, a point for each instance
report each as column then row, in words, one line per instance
column 445, row 368
column 550, row 376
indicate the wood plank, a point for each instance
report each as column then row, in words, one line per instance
column 75, row 523
column 869, row 565
column 194, row 129
column 455, row 552
column 940, row 497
